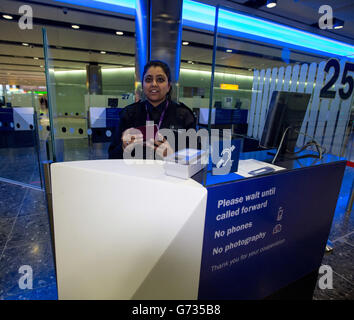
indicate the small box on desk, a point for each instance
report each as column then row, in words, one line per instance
column 185, row 163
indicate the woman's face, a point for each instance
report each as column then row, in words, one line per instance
column 155, row 85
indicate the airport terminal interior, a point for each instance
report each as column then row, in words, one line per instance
column 53, row 108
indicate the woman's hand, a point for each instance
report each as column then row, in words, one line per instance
column 132, row 137
column 161, row 146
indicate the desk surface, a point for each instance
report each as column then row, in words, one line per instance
column 264, row 156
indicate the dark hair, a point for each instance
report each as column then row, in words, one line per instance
column 164, row 66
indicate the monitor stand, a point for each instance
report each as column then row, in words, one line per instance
column 291, row 156
column 287, row 152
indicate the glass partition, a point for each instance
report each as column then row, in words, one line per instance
column 89, row 82
column 19, row 148
column 349, row 151
column 195, row 78
column 254, row 58
column 195, row 72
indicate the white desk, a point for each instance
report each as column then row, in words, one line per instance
column 125, row 230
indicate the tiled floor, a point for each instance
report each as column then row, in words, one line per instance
column 341, row 259
column 25, row 240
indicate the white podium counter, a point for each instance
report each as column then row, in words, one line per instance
column 125, row 230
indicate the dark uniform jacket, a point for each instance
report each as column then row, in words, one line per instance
column 177, row 116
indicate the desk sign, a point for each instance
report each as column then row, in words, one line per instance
column 264, row 233
column 225, row 155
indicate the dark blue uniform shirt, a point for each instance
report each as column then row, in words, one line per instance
column 177, row 116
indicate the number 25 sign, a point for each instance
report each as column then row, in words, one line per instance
column 347, row 79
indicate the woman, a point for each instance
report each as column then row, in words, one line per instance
column 157, row 107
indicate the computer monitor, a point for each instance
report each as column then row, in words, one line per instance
column 217, row 104
column 285, row 116
column 238, row 104
column 113, row 102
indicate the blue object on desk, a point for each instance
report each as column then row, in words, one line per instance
column 263, row 170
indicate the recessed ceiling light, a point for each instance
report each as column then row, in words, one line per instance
column 103, row 52
column 271, row 3
column 119, row 33
column 35, row 58
column 191, row 62
column 185, row 43
column 75, row 26
column 8, row 17
column 41, row 66
column 228, row 50
column 25, row 44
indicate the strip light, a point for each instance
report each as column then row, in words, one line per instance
column 68, row 72
column 183, row 71
column 198, row 15
column 202, row 16
column 262, row 30
column 121, row 6
column 222, row 74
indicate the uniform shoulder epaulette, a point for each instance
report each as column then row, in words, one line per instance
column 183, row 106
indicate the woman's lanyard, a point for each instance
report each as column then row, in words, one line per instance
column 161, row 117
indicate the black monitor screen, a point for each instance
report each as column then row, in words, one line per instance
column 113, row 102
column 286, row 110
column 238, row 104
column 217, row 104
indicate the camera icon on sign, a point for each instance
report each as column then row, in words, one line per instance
column 277, row 229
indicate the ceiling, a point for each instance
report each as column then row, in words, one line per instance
column 73, row 49
column 305, row 13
